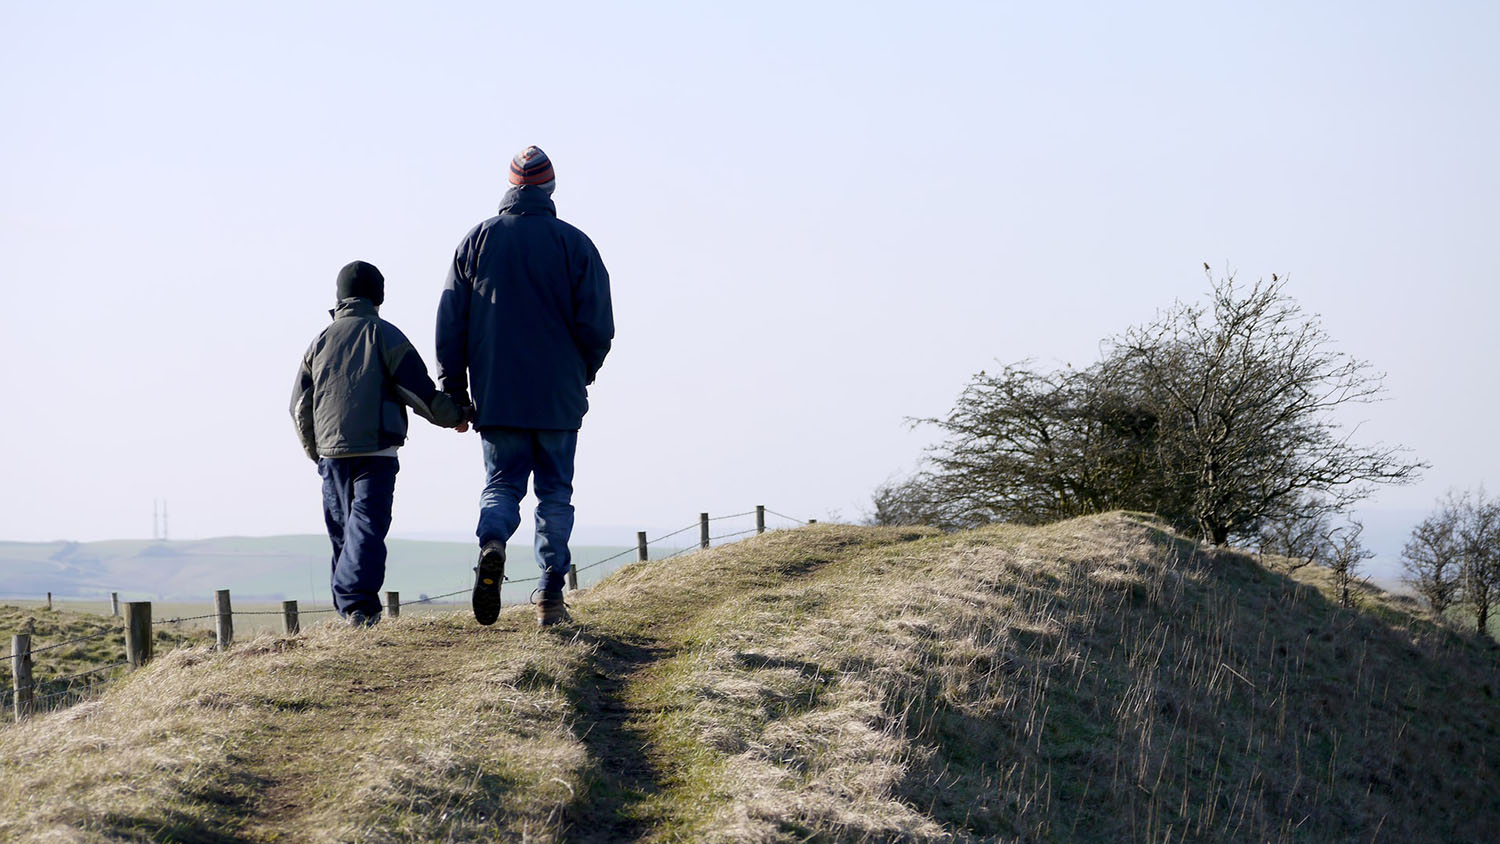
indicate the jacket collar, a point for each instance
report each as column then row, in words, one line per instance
column 524, row 199
column 355, row 307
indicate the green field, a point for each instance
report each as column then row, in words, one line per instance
column 252, row 568
column 64, row 675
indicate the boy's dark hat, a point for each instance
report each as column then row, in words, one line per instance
column 362, row 279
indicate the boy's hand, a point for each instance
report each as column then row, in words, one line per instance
column 468, row 416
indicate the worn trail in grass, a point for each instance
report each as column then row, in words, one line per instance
column 1100, row 679
column 635, row 628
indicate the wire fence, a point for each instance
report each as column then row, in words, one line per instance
column 80, row 685
column 89, row 638
column 74, row 694
column 609, row 559
column 67, row 689
column 87, row 673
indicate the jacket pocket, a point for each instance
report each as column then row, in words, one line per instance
column 392, row 424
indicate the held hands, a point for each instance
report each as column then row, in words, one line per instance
column 468, row 415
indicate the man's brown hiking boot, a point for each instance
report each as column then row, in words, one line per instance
column 488, row 576
column 550, row 609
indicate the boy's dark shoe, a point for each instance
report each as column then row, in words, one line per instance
column 550, row 609
column 488, row 576
column 358, row 618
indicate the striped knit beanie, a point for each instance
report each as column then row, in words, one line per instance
column 532, row 167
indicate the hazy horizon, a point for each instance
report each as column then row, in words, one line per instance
column 1385, row 533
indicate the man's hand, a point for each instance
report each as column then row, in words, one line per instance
column 468, row 415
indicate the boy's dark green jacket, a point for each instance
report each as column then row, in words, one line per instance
column 355, row 383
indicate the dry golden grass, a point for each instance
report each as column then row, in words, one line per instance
column 1095, row 680
column 418, row 730
column 67, row 671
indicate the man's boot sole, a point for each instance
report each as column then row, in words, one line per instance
column 487, row 579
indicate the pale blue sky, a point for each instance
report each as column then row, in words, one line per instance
column 819, row 219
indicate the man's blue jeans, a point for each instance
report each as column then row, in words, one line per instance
column 511, row 455
column 357, row 494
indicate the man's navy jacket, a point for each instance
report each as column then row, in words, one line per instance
column 525, row 318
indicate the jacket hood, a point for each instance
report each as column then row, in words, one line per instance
column 354, row 306
column 528, row 199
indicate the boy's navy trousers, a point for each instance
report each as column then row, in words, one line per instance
column 357, row 494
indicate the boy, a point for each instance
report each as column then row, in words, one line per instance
column 349, row 405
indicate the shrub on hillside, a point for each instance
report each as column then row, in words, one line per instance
column 1453, row 556
column 1217, row 417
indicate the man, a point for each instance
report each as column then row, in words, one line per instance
column 524, row 323
column 349, row 406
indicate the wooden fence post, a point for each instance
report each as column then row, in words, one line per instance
column 224, row 623
column 702, row 530
column 641, row 554
column 572, row 576
column 49, row 602
column 289, row 621
column 393, row 603
column 138, row 645
column 760, row 518
column 20, row 669
column 114, row 604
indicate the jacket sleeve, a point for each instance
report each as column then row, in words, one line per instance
column 593, row 313
column 453, row 322
column 411, row 383
column 302, row 407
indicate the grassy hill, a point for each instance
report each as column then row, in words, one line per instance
column 1096, row 680
column 251, row 567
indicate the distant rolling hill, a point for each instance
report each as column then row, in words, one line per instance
column 265, row 567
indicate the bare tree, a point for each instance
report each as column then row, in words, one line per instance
column 1479, row 543
column 1245, row 390
column 1433, row 557
column 906, row 502
column 1308, row 535
column 1301, row 535
column 1031, row 447
column 1217, row 418
column 1345, row 554
column 1013, row 451
column 1453, row 556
